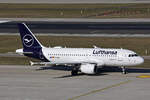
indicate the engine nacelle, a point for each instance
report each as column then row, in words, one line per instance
column 88, row 68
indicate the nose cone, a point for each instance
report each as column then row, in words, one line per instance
column 140, row 60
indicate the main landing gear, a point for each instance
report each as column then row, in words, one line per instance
column 123, row 70
column 74, row 71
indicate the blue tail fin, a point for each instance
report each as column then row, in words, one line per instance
column 29, row 41
column 31, row 46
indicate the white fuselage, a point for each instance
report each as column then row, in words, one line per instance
column 98, row 56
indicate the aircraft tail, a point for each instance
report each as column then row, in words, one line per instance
column 31, row 46
column 29, row 40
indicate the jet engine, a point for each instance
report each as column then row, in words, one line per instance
column 88, row 68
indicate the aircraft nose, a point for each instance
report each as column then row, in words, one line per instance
column 141, row 60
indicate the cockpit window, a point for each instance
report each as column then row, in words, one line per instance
column 133, row 55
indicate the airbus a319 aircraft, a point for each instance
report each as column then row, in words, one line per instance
column 85, row 60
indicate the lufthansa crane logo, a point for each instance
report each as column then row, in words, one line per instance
column 28, row 40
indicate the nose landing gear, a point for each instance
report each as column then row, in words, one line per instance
column 123, row 70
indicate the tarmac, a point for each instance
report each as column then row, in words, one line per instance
column 79, row 27
column 18, row 82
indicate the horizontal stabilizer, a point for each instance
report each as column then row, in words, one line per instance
column 27, row 52
column 39, row 63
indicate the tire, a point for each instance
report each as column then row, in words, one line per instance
column 74, row 72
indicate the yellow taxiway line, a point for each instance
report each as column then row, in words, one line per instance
column 143, row 76
column 99, row 90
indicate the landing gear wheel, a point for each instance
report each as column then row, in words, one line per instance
column 74, row 72
column 123, row 70
column 96, row 70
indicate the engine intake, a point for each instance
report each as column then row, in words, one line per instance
column 88, row 68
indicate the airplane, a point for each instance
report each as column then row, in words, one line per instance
column 85, row 60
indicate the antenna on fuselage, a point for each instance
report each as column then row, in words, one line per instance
column 94, row 46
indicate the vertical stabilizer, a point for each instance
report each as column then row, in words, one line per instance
column 29, row 40
column 31, row 46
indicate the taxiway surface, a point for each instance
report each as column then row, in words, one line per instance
column 82, row 28
column 34, row 83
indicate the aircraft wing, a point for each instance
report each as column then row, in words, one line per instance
column 4, row 21
column 99, row 63
column 51, row 63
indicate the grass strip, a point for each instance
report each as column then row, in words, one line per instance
column 9, row 43
column 74, row 10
